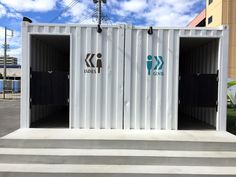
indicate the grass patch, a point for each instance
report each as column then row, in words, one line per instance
column 231, row 120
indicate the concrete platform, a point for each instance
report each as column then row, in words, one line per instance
column 163, row 135
column 117, row 153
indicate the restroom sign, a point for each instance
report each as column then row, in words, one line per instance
column 155, row 65
column 92, row 65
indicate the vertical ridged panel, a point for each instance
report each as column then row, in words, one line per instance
column 148, row 94
column 151, row 102
column 101, row 95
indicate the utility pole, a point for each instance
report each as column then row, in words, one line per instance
column 99, row 13
column 5, row 67
column 5, row 45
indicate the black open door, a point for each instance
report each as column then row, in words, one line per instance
column 49, row 83
column 198, row 90
column 198, row 83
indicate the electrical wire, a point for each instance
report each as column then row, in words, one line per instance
column 88, row 16
column 71, row 5
column 63, row 11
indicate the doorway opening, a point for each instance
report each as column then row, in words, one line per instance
column 49, row 82
column 198, row 83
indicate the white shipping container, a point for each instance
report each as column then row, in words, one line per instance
column 123, row 77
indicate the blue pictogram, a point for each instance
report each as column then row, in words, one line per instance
column 149, row 64
column 158, row 67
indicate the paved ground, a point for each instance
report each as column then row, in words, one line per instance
column 9, row 116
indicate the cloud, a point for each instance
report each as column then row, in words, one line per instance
column 30, row 5
column 170, row 13
column 153, row 12
column 134, row 5
column 9, row 12
column 80, row 11
column 77, row 11
column 3, row 10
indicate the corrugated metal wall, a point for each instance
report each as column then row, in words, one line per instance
column 122, row 95
column 151, row 101
column 202, row 60
column 98, row 98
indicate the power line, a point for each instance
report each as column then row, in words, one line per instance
column 88, row 16
column 71, row 5
column 64, row 10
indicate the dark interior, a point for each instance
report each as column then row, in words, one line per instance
column 198, row 83
column 49, row 84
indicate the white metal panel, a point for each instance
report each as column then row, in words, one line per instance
column 96, row 100
column 100, row 95
column 151, row 101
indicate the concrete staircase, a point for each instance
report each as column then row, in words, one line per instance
column 111, row 153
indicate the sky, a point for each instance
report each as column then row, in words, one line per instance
column 136, row 12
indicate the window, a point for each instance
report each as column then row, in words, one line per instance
column 210, row 1
column 210, row 19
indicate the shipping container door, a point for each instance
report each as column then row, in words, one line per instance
column 198, row 83
column 49, row 84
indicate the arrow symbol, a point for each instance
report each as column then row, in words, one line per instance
column 161, row 62
column 88, row 60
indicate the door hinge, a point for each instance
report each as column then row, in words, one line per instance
column 217, row 75
column 30, row 103
column 216, row 105
column 31, row 73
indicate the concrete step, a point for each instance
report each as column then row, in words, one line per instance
column 69, row 170
column 117, row 157
column 118, row 144
column 120, row 139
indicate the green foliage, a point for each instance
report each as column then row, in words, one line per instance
column 231, row 120
column 232, row 83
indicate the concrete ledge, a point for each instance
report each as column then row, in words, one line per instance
column 163, row 135
column 117, row 169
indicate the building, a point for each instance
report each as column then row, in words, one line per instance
column 217, row 13
column 199, row 20
column 13, row 72
column 10, row 60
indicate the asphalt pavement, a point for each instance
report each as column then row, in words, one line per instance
column 9, row 116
